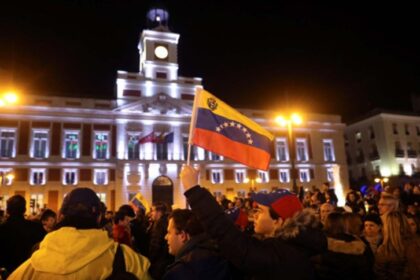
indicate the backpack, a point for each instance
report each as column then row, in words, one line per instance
column 119, row 271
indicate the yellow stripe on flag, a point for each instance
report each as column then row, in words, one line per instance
column 222, row 109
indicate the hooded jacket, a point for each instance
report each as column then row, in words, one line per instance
column 69, row 253
column 285, row 257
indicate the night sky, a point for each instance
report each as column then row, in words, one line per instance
column 337, row 58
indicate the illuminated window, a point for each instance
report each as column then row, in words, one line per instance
column 304, row 175
column 282, row 150
column 38, row 202
column 102, row 197
column 70, row 177
column 330, row 174
column 7, row 143
column 100, row 177
column 301, row 149
column 38, row 176
column 101, row 145
column 40, row 144
column 71, row 145
column 328, row 150
column 214, row 156
column 217, row 176
column 284, row 175
column 263, row 175
column 358, row 137
column 6, row 176
column 395, row 128
column 133, row 151
column 240, row 176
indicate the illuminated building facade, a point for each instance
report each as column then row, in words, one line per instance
column 382, row 145
column 138, row 142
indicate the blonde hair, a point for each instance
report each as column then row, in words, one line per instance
column 390, row 198
column 395, row 232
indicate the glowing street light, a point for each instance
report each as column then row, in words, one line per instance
column 294, row 119
column 382, row 180
column 8, row 98
column 253, row 181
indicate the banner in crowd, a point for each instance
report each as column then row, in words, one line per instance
column 219, row 128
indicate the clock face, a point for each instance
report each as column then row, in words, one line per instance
column 161, row 52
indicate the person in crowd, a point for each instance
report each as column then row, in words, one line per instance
column 79, row 248
column 414, row 224
column 353, row 224
column 387, row 203
column 348, row 257
column 48, row 220
column 372, row 232
column 196, row 257
column 397, row 256
column 107, row 222
column 17, row 235
column 121, row 231
column 290, row 235
column 353, row 200
column 158, row 248
column 324, row 211
column 139, row 227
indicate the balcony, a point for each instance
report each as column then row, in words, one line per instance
column 412, row 153
column 399, row 153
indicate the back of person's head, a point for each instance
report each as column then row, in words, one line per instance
column 185, row 220
column 353, row 224
column 395, row 230
column 390, row 201
column 81, row 209
column 16, row 205
column 334, row 224
column 160, row 207
column 127, row 210
column 119, row 216
column 48, row 213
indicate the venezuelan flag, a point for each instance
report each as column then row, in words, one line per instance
column 219, row 128
column 138, row 201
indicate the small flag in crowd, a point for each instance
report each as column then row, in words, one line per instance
column 238, row 216
column 138, row 201
column 219, row 128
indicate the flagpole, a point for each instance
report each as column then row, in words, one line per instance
column 192, row 123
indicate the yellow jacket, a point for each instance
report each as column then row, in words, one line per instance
column 69, row 253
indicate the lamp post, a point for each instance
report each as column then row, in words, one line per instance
column 382, row 180
column 253, row 181
column 294, row 119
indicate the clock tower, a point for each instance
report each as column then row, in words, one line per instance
column 158, row 47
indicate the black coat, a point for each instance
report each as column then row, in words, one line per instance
column 272, row 258
column 347, row 258
column 158, row 248
column 17, row 237
column 198, row 259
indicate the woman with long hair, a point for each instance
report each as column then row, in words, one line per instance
column 394, row 257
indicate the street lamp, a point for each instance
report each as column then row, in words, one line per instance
column 294, row 119
column 382, row 180
column 8, row 98
column 253, row 181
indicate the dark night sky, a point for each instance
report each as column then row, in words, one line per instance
column 329, row 58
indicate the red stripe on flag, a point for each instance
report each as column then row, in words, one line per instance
column 219, row 144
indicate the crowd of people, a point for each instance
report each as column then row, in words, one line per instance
column 275, row 235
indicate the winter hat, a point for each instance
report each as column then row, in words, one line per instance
column 374, row 218
column 82, row 202
column 283, row 202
